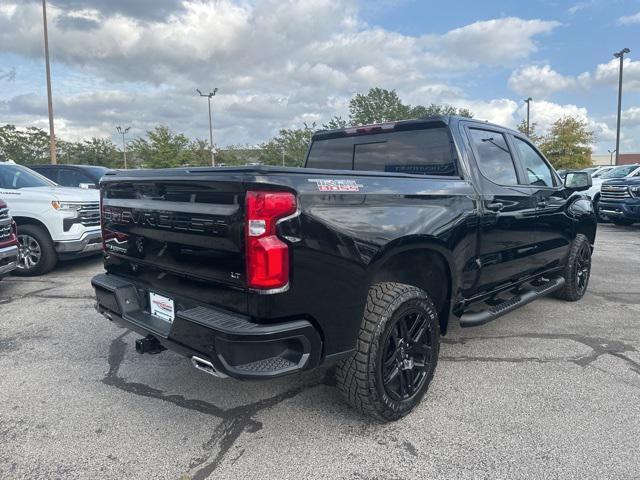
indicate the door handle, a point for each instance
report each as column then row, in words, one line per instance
column 494, row 206
column 542, row 203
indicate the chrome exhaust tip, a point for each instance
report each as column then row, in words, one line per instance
column 206, row 366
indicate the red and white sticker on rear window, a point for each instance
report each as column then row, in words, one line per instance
column 335, row 185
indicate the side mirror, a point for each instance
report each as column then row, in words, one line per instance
column 578, row 181
column 88, row 186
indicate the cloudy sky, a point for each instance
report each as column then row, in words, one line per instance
column 279, row 63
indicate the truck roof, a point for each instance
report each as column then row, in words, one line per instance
column 444, row 120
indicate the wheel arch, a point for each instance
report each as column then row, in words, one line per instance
column 20, row 220
column 423, row 263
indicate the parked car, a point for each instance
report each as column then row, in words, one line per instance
column 80, row 176
column 620, row 200
column 601, row 171
column 258, row 272
column 620, row 171
column 8, row 242
column 54, row 223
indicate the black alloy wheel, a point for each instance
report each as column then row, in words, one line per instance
column 408, row 354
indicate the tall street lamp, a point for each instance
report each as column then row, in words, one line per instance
column 209, row 96
column 528, row 102
column 611, row 152
column 619, row 55
column 52, row 135
column 123, row 132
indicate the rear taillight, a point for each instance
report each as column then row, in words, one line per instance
column 267, row 256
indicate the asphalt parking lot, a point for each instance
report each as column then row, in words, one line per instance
column 549, row 391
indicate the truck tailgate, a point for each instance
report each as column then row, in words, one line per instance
column 193, row 229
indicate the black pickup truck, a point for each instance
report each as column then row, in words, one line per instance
column 361, row 259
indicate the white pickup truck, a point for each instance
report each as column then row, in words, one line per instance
column 54, row 223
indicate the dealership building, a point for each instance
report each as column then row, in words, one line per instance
column 606, row 159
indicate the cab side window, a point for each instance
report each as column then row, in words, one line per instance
column 537, row 171
column 68, row 177
column 494, row 158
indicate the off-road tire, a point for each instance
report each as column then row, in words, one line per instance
column 570, row 291
column 359, row 378
column 48, row 255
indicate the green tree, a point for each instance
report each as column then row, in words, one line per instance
column 96, row 151
column 335, row 123
column 377, row 106
column 28, row 146
column 380, row 105
column 161, row 149
column 292, row 143
column 433, row 110
column 533, row 136
column 568, row 144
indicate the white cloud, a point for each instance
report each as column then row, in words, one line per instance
column 607, row 74
column 629, row 19
column 539, row 82
column 276, row 62
column 495, row 42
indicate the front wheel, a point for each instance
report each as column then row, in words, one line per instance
column 577, row 270
column 37, row 255
column 396, row 352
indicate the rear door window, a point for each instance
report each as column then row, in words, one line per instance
column 494, row 157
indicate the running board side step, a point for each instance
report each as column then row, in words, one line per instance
column 528, row 295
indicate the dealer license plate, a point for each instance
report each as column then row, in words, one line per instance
column 161, row 307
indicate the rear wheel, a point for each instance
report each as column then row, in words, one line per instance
column 37, row 255
column 396, row 353
column 577, row 271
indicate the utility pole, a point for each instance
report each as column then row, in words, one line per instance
column 123, row 132
column 209, row 96
column 283, row 157
column 611, row 152
column 619, row 55
column 52, row 135
column 528, row 101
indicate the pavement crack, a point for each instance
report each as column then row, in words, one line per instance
column 235, row 420
column 34, row 293
column 598, row 346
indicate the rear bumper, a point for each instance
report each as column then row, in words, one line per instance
column 8, row 259
column 235, row 345
column 629, row 209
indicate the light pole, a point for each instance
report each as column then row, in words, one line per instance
column 619, row 55
column 283, row 157
column 52, row 135
column 209, row 95
column 123, row 132
column 611, row 152
column 528, row 101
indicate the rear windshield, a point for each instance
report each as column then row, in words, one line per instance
column 428, row 151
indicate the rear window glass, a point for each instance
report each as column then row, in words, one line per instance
column 333, row 153
column 423, row 152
